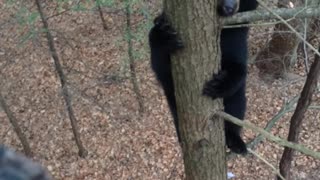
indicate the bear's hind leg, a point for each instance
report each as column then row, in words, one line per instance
column 235, row 105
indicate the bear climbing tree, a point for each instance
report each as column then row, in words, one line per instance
column 202, row 139
column 229, row 83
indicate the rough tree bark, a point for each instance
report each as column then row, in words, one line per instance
column 203, row 141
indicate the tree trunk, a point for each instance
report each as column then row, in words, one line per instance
column 278, row 57
column 203, row 141
column 305, row 99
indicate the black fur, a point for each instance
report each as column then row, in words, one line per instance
column 228, row 83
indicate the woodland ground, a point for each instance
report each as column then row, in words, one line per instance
column 122, row 144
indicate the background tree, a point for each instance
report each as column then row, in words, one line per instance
column 278, row 57
column 298, row 116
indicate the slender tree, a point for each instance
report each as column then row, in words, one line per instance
column 298, row 116
column 63, row 80
column 14, row 122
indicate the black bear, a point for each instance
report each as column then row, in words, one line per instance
column 230, row 81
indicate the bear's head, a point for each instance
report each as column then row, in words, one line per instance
column 228, row 7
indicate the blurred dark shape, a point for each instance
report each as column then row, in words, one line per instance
column 15, row 166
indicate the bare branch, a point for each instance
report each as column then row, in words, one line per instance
column 289, row 26
column 276, row 139
column 267, row 163
column 259, row 15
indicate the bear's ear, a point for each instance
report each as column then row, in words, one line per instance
column 248, row 5
column 161, row 19
column 228, row 7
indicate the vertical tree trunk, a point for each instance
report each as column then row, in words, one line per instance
column 305, row 99
column 17, row 129
column 297, row 117
column 203, row 141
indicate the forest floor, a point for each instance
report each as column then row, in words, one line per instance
column 122, row 143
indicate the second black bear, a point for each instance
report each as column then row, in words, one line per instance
column 230, row 81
